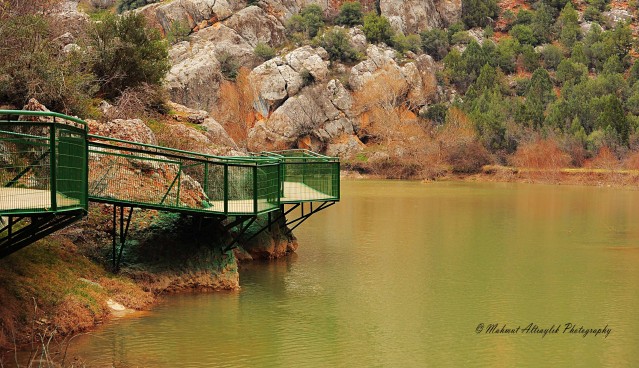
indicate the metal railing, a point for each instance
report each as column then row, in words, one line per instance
column 43, row 163
column 49, row 163
column 169, row 179
column 307, row 176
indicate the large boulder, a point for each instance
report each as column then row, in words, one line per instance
column 449, row 11
column 280, row 78
column 377, row 58
column 256, row 26
column 196, row 14
column 128, row 129
column 411, row 16
column 195, row 76
column 310, row 119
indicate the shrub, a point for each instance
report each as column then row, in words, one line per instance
column 377, row 28
column 523, row 34
column 127, row 54
column 33, row 66
column 552, row 56
column 178, row 31
column 350, row 14
column 125, row 5
column 308, row 21
column 541, row 154
column 338, row 45
column 435, row 43
column 264, row 51
column 477, row 13
column 403, row 43
column 229, row 65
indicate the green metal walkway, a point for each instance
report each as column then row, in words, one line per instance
column 51, row 168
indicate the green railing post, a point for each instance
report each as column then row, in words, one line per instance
column 226, row 189
column 177, row 197
column 255, row 189
column 52, row 166
column 206, row 178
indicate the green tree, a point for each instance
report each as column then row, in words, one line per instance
column 127, row 54
column 634, row 73
column 529, row 57
column 506, row 54
column 552, row 56
column 568, row 23
column 377, row 28
column 477, row 13
column 435, row 43
column 578, row 54
column 612, row 66
column 542, row 24
column 538, row 96
column 523, row 34
column 308, row 21
column 570, row 72
column 338, row 45
column 350, row 14
column 613, row 115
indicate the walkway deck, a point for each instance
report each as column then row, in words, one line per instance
column 23, row 198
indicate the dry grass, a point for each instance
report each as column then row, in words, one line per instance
column 48, row 289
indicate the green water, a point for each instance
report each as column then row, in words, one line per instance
column 400, row 274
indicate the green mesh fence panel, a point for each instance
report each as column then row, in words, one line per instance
column 307, row 176
column 163, row 178
column 42, row 162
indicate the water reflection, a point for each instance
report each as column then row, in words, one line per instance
column 401, row 273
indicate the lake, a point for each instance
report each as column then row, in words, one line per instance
column 409, row 274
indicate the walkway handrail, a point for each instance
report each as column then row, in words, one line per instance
column 44, row 163
column 182, row 153
column 52, row 114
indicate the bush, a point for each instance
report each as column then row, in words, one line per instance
column 403, row 43
column 338, row 45
column 350, row 14
column 32, row 64
column 435, row 43
column 523, row 34
column 229, row 65
column 308, row 21
column 178, row 31
column 264, row 51
column 552, row 56
column 477, row 13
column 377, row 29
column 127, row 54
column 125, row 5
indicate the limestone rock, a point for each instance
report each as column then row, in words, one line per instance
column 310, row 119
column 103, row 4
column 194, row 13
column 345, row 147
column 411, row 16
column 312, row 60
column 615, row 16
column 130, row 129
column 377, row 58
column 217, row 134
column 195, row 78
column 254, row 25
column 449, row 11
column 280, row 78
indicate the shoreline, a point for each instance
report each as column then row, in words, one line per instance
column 610, row 178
